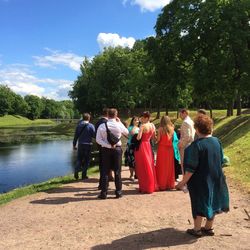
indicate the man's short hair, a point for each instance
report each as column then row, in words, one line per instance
column 105, row 111
column 184, row 111
column 202, row 111
column 112, row 113
column 86, row 116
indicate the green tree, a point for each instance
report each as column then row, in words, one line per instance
column 6, row 99
column 35, row 106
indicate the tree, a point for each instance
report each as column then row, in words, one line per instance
column 35, row 106
column 6, row 99
column 213, row 40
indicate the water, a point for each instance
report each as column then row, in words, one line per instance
column 25, row 164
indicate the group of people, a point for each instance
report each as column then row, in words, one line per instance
column 199, row 154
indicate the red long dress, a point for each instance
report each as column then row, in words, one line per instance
column 165, row 173
column 144, row 163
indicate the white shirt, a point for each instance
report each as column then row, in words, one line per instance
column 187, row 132
column 116, row 128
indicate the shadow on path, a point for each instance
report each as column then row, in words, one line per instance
column 160, row 238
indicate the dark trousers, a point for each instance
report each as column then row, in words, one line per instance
column 111, row 159
column 177, row 168
column 100, row 165
column 83, row 158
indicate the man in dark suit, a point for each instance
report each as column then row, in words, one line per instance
column 84, row 133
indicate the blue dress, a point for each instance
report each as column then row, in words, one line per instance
column 207, row 186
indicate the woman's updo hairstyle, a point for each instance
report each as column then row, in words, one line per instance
column 146, row 114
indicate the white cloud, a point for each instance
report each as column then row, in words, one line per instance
column 148, row 5
column 114, row 40
column 56, row 57
column 23, row 81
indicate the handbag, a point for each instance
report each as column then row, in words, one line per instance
column 135, row 144
column 112, row 139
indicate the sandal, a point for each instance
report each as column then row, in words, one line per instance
column 194, row 232
column 208, row 232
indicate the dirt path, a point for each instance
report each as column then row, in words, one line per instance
column 71, row 217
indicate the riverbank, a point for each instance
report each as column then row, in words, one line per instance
column 41, row 187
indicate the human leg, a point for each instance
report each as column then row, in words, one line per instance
column 106, row 162
column 117, row 162
column 86, row 160
column 78, row 162
column 208, row 228
column 196, row 231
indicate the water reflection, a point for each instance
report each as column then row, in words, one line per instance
column 32, row 163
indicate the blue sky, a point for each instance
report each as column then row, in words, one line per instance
column 43, row 42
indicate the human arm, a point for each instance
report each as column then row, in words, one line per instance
column 184, row 181
column 101, row 136
column 140, row 133
column 158, row 138
column 76, row 135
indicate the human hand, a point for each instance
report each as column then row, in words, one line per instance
column 180, row 185
column 74, row 147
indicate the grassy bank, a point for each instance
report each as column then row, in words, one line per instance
column 17, row 120
column 41, row 187
column 234, row 133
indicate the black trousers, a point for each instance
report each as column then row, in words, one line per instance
column 83, row 158
column 100, row 164
column 111, row 159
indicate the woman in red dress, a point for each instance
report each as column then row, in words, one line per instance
column 165, row 173
column 144, row 159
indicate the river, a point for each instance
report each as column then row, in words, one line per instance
column 31, row 155
column 27, row 163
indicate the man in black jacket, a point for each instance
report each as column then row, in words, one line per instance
column 84, row 133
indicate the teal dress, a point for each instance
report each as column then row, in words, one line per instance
column 207, row 186
column 175, row 146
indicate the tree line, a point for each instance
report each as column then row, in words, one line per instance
column 200, row 57
column 34, row 107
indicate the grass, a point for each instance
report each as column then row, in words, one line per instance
column 17, row 120
column 234, row 133
column 41, row 187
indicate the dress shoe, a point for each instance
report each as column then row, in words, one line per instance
column 102, row 196
column 118, row 195
column 76, row 175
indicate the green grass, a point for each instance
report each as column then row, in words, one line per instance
column 17, row 120
column 234, row 133
column 41, row 187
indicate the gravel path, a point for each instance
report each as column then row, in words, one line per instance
column 71, row 217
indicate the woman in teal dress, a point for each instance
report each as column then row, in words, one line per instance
column 204, row 176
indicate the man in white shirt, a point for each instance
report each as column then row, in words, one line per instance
column 187, row 133
column 111, row 154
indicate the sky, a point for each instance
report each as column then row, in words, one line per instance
column 43, row 42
